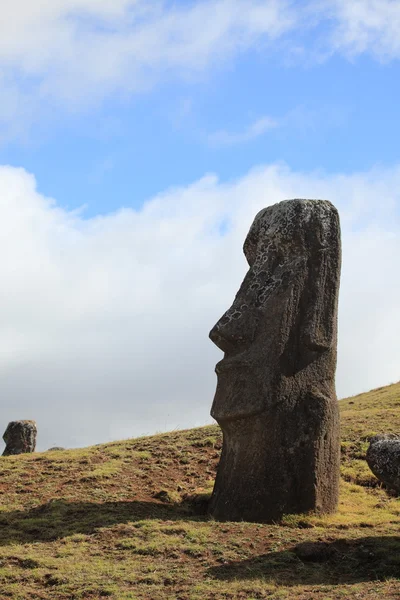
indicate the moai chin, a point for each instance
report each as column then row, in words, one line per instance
column 275, row 399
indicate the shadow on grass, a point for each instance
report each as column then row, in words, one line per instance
column 58, row 518
column 344, row 561
column 339, row 562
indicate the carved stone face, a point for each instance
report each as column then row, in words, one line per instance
column 255, row 330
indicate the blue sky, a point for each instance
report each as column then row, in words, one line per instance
column 337, row 113
column 172, row 123
column 338, row 116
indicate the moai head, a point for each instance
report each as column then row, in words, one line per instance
column 284, row 314
column 20, row 437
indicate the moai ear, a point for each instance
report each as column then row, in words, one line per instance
column 321, row 291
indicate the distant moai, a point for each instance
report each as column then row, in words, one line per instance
column 275, row 399
column 20, row 437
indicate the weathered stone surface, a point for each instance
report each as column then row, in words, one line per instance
column 20, row 437
column 275, row 399
column 383, row 458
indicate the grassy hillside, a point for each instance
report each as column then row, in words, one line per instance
column 124, row 521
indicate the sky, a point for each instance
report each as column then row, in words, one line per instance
column 138, row 139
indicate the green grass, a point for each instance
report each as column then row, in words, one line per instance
column 124, row 521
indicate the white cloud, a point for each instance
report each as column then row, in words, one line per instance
column 75, row 52
column 300, row 120
column 371, row 26
column 253, row 131
column 58, row 55
column 104, row 322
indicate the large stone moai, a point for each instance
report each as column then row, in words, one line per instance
column 275, row 399
column 20, row 437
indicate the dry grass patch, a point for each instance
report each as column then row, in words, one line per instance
column 123, row 521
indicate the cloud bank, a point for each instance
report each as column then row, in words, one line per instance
column 68, row 55
column 366, row 26
column 71, row 53
column 104, row 321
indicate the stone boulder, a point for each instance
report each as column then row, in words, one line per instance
column 20, row 437
column 383, row 458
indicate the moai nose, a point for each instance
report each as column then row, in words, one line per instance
column 228, row 333
column 216, row 336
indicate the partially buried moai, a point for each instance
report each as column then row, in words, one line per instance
column 275, row 399
column 20, row 437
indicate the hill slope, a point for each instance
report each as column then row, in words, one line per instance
column 122, row 520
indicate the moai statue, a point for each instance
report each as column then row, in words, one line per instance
column 275, row 399
column 20, row 437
